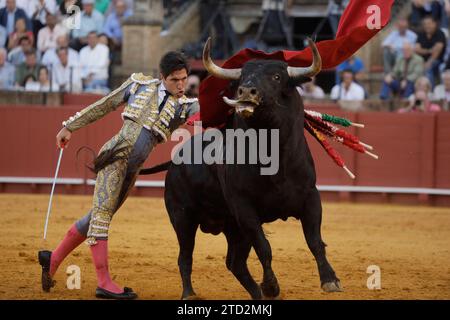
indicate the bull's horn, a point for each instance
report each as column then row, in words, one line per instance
column 230, row 102
column 216, row 71
column 310, row 71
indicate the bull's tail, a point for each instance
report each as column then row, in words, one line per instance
column 160, row 167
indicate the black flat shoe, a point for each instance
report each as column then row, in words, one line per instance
column 127, row 294
column 46, row 279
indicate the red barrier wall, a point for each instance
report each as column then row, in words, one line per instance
column 414, row 152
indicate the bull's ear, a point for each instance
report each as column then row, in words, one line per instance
column 299, row 81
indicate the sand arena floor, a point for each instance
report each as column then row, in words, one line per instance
column 411, row 245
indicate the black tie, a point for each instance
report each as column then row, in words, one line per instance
column 164, row 100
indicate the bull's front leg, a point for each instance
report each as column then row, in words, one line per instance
column 311, row 222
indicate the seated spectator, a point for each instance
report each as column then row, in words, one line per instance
column 22, row 4
column 394, row 42
column 90, row 20
column 112, row 6
column 25, row 5
column 102, row 5
column 348, row 89
column 355, row 64
column 421, row 103
column 3, row 37
column 431, row 46
column 407, row 70
column 20, row 31
column 47, row 36
column 94, row 62
column 113, row 24
column 65, row 7
column 422, row 9
column 7, row 72
column 310, row 90
column 51, row 58
column 30, row 83
column 38, row 12
column 42, row 84
column 192, row 86
column 66, row 75
column 10, row 14
column 442, row 92
column 422, row 84
column 30, row 66
column 17, row 55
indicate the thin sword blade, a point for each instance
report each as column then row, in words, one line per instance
column 51, row 194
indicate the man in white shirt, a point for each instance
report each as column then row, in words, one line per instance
column 47, row 36
column 348, row 90
column 51, row 58
column 39, row 9
column 66, row 74
column 394, row 43
column 90, row 20
column 94, row 61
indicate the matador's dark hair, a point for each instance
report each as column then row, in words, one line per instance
column 173, row 61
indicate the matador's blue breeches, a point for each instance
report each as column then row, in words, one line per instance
column 115, row 180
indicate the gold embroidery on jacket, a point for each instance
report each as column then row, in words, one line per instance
column 98, row 109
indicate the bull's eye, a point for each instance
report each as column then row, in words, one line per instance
column 276, row 77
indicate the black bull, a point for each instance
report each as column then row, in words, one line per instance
column 236, row 199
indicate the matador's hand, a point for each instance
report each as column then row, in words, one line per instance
column 63, row 137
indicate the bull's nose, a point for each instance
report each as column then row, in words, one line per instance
column 247, row 93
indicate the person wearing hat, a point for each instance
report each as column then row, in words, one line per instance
column 154, row 108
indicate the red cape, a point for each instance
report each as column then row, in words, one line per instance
column 352, row 34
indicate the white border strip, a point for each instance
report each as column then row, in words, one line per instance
column 39, row 180
column 385, row 190
column 161, row 184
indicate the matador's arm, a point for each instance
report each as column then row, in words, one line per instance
column 98, row 109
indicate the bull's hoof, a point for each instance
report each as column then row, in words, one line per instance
column 334, row 286
column 192, row 297
column 278, row 297
column 270, row 291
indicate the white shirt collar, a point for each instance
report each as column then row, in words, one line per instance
column 161, row 92
column 162, row 88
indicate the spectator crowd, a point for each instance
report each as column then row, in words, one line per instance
column 60, row 45
column 68, row 46
column 416, row 63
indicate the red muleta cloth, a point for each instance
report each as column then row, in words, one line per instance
column 353, row 32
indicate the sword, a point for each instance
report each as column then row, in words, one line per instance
column 51, row 194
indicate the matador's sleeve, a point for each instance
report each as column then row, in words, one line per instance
column 100, row 108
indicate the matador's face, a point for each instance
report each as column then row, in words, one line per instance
column 175, row 82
